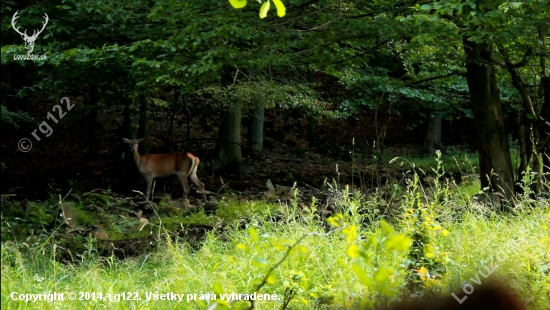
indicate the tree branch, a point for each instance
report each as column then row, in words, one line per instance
column 438, row 77
column 507, row 64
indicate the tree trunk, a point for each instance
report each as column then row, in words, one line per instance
column 433, row 137
column 545, row 130
column 255, row 139
column 544, row 92
column 144, row 124
column 495, row 164
column 125, row 130
column 228, row 148
column 312, row 135
column 18, row 80
column 93, row 104
column 530, row 132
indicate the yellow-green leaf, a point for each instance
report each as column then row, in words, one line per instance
column 336, row 220
column 386, row 228
column 362, row 276
column 217, row 288
column 253, row 232
column 264, row 9
column 281, row 10
column 238, row 4
column 243, row 247
column 423, row 273
column 382, row 275
column 354, row 251
column 399, row 242
column 350, row 232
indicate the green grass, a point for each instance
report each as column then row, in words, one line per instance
column 320, row 271
column 521, row 241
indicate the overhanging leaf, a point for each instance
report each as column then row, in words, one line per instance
column 238, row 4
column 264, row 9
column 281, row 9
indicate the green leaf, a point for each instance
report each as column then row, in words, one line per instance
column 362, row 276
column 382, row 275
column 264, row 9
column 217, row 288
column 281, row 9
column 386, row 228
column 400, row 243
column 426, row 7
column 238, row 4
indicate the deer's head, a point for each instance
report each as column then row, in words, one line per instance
column 133, row 143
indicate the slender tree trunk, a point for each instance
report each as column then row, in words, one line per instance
column 188, row 133
column 133, row 112
column 545, row 130
column 433, row 136
column 544, row 92
column 18, row 80
column 255, row 138
column 144, row 124
column 124, row 130
column 312, row 135
column 495, row 164
column 228, row 148
column 93, row 141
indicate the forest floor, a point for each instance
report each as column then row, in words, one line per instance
column 342, row 148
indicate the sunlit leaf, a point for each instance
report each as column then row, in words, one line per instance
column 354, row 251
column 217, row 287
column 336, row 220
column 386, row 228
column 382, row 275
column 350, row 232
column 362, row 276
column 281, row 9
column 423, row 273
column 264, row 9
column 238, row 4
column 241, row 246
column 399, row 242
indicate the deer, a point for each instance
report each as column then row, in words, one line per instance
column 182, row 164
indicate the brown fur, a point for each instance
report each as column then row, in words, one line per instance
column 182, row 164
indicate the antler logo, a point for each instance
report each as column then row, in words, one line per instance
column 29, row 40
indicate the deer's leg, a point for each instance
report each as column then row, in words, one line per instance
column 153, row 190
column 195, row 179
column 185, row 185
column 149, row 180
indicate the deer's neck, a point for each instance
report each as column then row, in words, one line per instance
column 137, row 157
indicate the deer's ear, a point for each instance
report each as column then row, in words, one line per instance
column 125, row 140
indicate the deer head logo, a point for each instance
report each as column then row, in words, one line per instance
column 29, row 40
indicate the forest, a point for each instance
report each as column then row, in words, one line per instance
column 275, row 154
